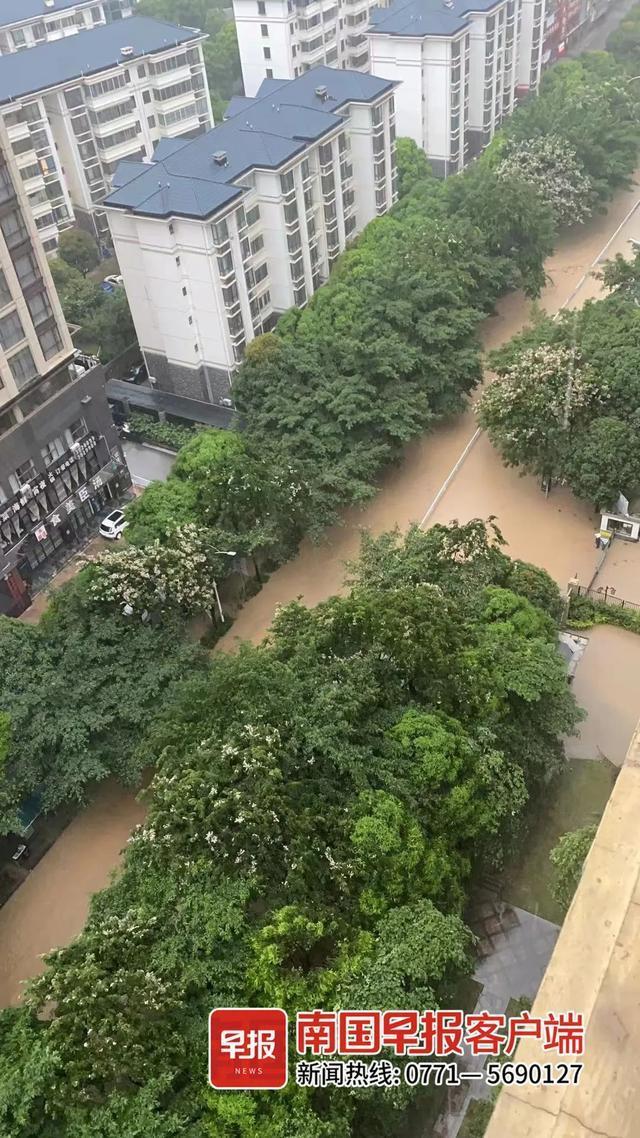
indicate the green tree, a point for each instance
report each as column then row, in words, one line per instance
column 413, row 166
column 568, row 858
column 533, row 410
column 78, row 249
column 550, row 165
column 108, row 329
column 604, row 462
column 162, row 508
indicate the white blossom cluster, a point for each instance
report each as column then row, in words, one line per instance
column 551, row 166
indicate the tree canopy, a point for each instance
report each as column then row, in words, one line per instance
column 566, row 403
column 318, row 807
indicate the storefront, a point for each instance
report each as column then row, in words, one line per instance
column 57, row 509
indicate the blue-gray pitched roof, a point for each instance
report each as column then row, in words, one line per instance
column 19, row 11
column 88, row 52
column 265, row 132
column 426, row 17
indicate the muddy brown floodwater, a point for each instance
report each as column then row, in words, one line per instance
column 448, row 474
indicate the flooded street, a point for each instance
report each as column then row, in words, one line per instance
column 452, row 473
column 50, row 908
column 556, row 532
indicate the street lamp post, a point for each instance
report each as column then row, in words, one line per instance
column 221, row 553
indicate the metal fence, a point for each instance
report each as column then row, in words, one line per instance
column 604, row 596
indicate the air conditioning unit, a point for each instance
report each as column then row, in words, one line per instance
column 126, row 51
column 220, row 158
column 227, row 402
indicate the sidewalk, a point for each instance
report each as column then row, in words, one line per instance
column 41, row 600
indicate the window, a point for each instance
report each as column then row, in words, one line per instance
column 262, row 8
column 73, row 98
column 181, row 114
column 23, row 474
column 230, row 295
column 11, row 330
column 5, row 295
column 287, row 183
column 50, row 342
column 22, row 367
column 146, row 96
column 151, row 121
column 269, row 72
column 300, row 296
column 76, row 431
column 220, row 232
column 22, row 145
column 142, row 71
column 267, row 52
column 53, row 450
column 184, row 290
column 177, row 261
column 253, row 215
column 172, row 92
column 13, row 228
column 264, row 28
column 349, row 225
column 26, row 268
column 171, row 64
column 116, row 111
column 113, row 83
column 257, row 244
column 171, row 229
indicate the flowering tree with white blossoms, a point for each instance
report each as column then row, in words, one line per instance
column 551, row 166
column 180, row 575
column 531, row 411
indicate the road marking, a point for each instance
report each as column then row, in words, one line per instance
column 476, row 435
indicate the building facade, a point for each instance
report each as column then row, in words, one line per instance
column 282, row 39
column 76, row 107
column 222, row 234
column 59, row 454
column 456, row 65
column 27, row 23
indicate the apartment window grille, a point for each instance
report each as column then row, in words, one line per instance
column 349, row 225
column 39, row 307
column 161, row 66
column 300, row 296
column 13, row 228
column 264, row 29
column 113, row 83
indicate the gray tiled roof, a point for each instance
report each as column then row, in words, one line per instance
column 265, row 132
column 18, row 11
column 88, row 52
column 426, row 17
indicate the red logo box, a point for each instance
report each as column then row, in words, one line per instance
column 248, row 1049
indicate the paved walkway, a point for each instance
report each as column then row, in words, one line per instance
column 514, row 949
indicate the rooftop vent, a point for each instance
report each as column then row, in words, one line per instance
column 49, row 3
column 448, row 3
column 220, row 158
column 126, row 51
column 322, row 93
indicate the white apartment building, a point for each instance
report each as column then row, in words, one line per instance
column 281, row 39
column 74, row 108
column 531, row 54
column 456, row 65
column 26, row 23
column 220, row 235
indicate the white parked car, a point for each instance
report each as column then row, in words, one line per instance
column 113, row 526
column 116, row 281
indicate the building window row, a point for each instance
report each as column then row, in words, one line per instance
column 179, row 115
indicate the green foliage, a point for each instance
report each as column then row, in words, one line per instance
column 413, row 166
column 102, row 677
column 624, row 41
column 172, row 435
column 565, row 404
column 318, row 806
column 106, row 326
column 162, row 508
column 567, row 859
column 78, row 249
column 585, row 612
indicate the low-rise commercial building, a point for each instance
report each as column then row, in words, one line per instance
column 281, row 39
column 59, row 454
column 27, row 23
column 218, row 236
column 456, row 64
column 76, row 107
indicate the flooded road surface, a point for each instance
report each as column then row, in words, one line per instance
column 50, row 908
column 447, row 474
column 607, row 684
column 464, row 477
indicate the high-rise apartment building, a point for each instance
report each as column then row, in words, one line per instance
column 74, row 108
column 218, row 236
column 25, row 23
column 60, row 459
column 281, row 39
column 456, row 64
